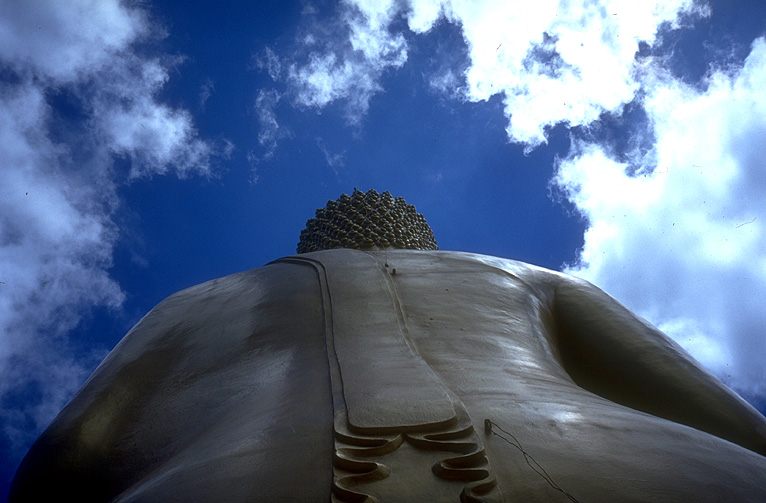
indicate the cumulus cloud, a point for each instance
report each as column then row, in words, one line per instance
column 342, row 60
column 561, row 62
column 681, row 239
column 58, row 193
column 131, row 122
column 54, row 40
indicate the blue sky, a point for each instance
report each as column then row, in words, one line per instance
column 146, row 147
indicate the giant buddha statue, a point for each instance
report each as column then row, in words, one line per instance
column 373, row 367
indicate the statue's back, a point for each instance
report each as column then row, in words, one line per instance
column 367, row 373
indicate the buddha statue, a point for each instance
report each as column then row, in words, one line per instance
column 373, row 367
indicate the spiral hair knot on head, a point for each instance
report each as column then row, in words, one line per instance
column 367, row 220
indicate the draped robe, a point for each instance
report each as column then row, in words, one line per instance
column 402, row 375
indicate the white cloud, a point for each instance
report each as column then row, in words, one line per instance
column 54, row 248
column 58, row 192
column 132, row 122
column 560, row 62
column 350, row 60
column 424, row 14
column 683, row 242
column 335, row 160
column 63, row 40
column 270, row 131
column 205, row 92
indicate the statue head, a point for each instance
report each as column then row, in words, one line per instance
column 367, row 221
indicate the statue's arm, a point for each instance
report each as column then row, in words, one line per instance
column 610, row 351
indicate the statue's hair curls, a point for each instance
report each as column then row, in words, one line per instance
column 367, row 220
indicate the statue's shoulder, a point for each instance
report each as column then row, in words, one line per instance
column 190, row 313
column 195, row 303
column 530, row 273
column 231, row 284
column 437, row 261
column 195, row 323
